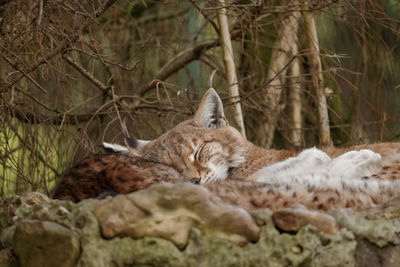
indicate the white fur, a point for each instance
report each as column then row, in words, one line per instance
column 313, row 168
column 220, row 162
column 314, row 182
column 353, row 164
column 217, row 172
column 194, row 149
column 115, row 147
column 211, row 112
column 308, row 160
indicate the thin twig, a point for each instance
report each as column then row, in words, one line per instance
column 201, row 10
column 122, row 66
column 15, row 66
column 188, row 56
column 258, row 4
column 36, row 100
column 61, row 48
column 242, row 98
column 87, row 74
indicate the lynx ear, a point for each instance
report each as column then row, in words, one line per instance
column 210, row 113
column 135, row 146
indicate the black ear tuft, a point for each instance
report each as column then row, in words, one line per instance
column 131, row 142
column 125, row 129
column 135, row 146
column 210, row 81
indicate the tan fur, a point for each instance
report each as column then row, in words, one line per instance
column 101, row 175
column 175, row 147
column 258, row 157
column 190, row 149
column 118, row 173
column 206, row 148
column 251, row 195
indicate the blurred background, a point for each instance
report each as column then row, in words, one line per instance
column 291, row 74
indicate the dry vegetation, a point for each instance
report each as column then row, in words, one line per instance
column 70, row 71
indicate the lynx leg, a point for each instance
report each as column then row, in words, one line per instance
column 307, row 161
column 353, row 164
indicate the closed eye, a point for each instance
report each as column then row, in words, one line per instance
column 196, row 155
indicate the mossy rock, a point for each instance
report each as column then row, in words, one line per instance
column 59, row 233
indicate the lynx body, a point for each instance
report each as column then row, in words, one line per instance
column 101, row 175
column 208, row 150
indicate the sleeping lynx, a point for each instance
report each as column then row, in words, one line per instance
column 207, row 149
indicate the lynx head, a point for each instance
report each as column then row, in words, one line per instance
column 203, row 149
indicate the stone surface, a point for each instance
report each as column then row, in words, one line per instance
column 7, row 259
column 44, row 243
column 292, row 219
column 379, row 225
column 10, row 205
column 70, row 234
column 169, row 211
column 368, row 254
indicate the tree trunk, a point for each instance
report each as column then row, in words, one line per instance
column 226, row 46
column 279, row 59
column 358, row 134
column 317, row 80
column 295, row 101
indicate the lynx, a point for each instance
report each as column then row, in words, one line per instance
column 102, row 175
column 207, row 150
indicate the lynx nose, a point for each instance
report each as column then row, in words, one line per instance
column 194, row 180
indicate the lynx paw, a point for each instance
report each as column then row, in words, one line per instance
column 311, row 158
column 305, row 162
column 353, row 164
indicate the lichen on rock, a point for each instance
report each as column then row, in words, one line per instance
column 379, row 225
column 170, row 211
column 184, row 225
column 44, row 243
column 9, row 206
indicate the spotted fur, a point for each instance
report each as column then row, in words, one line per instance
column 102, row 175
column 208, row 150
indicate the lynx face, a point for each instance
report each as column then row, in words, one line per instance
column 203, row 149
column 198, row 153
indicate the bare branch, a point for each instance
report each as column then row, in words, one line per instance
column 61, row 48
column 201, row 10
column 104, row 88
column 15, row 66
column 185, row 58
